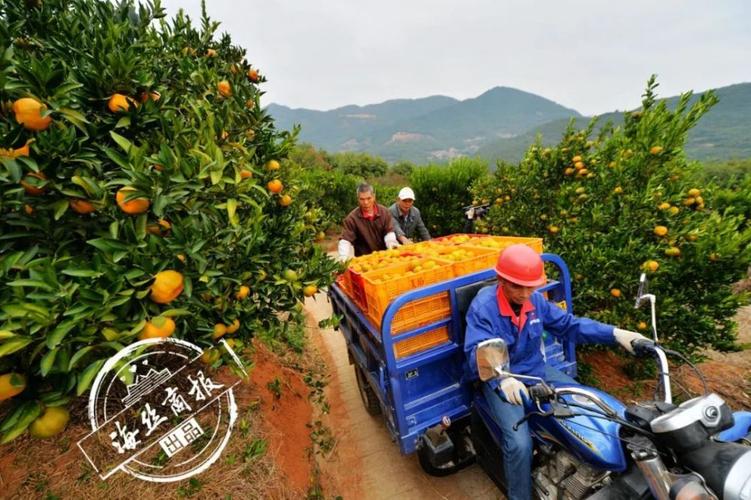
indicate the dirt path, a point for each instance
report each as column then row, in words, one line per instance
column 376, row 468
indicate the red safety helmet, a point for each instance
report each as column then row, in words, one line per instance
column 521, row 265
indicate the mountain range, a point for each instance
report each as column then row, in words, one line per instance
column 501, row 123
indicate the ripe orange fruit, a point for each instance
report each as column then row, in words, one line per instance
column 118, row 103
column 234, row 326
column 689, row 201
column 181, row 257
column 160, row 228
column 285, row 200
column 674, row 210
column 641, row 326
column 209, row 356
column 569, row 171
column 660, row 230
column 210, row 53
column 615, row 292
column 245, row 174
column 714, row 257
column 28, row 209
column 242, row 292
column 253, row 75
column 272, row 165
column 651, row 265
column 28, row 113
column 576, row 159
column 151, row 94
column 167, row 286
column 275, row 186
column 133, row 206
column 11, row 384
column 673, row 252
column 15, row 153
column 51, row 422
column 31, row 186
column 553, row 229
column 234, row 68
column 219, row 331
column 618, row 190
column 81, row 206
column 694, row 192
column 655, row 150
column 664, row 205
column 224, row 88
column 310, row 290
column 160, row 326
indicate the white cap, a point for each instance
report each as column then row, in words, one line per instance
column 406, row 194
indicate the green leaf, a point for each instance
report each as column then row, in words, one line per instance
column 33, row 283
column 88, row 375
column 13, row 345
column 177, row 312
column 20, row 420
column 74, row 117
column 57, row 335
column 114, row 230
column 82, row 273
column 123, row 122
column 77, row 356
column 6, row 334
column 60, row 207
column 121, row 141
column 47, row 362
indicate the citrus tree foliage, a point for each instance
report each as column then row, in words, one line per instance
column 628, row 201
column 127, row 99
column 442, row 190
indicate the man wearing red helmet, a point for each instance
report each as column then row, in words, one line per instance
column 514, row 312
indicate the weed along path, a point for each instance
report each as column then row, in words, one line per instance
column 365, row 463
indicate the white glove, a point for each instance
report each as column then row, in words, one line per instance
column 390, row 240
column 470, row 213
column 345, row 248
column 626, row 337
column 513, row 390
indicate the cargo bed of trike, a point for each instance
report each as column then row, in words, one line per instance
column 415, row 378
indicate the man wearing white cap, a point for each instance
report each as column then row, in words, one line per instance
column 407, row 219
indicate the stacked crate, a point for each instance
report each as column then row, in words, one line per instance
column 374, row 281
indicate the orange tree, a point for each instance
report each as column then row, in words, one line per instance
column 627, row 200
column 442, row 190
column 141, row 195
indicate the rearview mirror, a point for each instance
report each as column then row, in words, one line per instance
column 492, row 359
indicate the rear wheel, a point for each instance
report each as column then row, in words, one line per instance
column 368, row 396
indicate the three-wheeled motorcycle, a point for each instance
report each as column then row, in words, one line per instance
column 588, row 444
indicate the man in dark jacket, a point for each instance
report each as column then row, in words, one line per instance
column 367, row 228
column 407, row 218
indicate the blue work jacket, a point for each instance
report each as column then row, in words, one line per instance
column 490, row 316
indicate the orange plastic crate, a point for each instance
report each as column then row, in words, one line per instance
column 379, row 292
column 479, row 240
column 422, row 342
column 481, row 259
column 416, row 313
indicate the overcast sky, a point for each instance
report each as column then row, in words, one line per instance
column 591, row 55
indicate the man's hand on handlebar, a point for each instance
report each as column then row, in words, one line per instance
column 627, row 338
column 513, row 390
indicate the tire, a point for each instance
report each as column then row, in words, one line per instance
column 432, row 470
column 369, row 399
